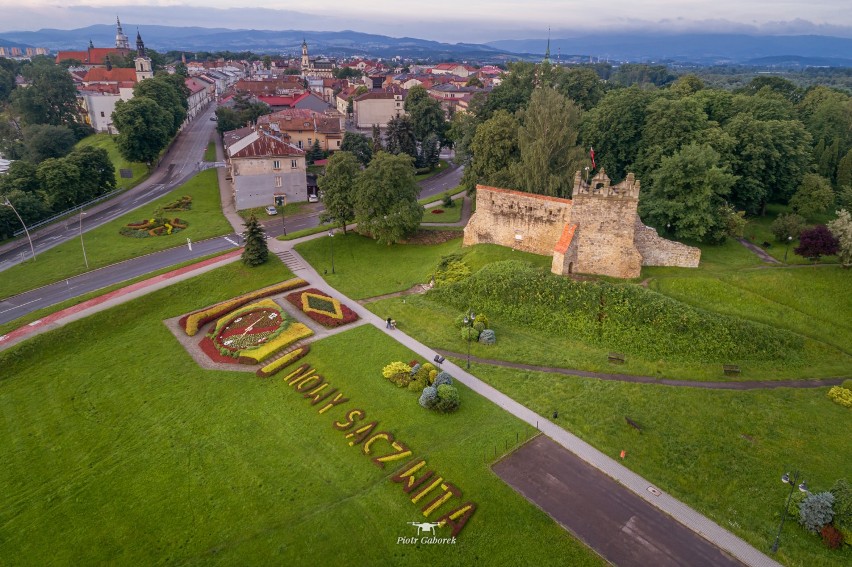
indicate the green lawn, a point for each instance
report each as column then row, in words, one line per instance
column 107, row 142
column 118, row 449
column 442, row 166
column 758, row 231
column 287, row 210
column 448, row 214
column 210, row 152
column 105, row 246
column 722, row 452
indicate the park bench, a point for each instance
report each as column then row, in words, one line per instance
column 731, row 369
column 633, row 424
column 616, row 358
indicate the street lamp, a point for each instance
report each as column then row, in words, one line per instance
column 789, row 240
column 8, row 203
column 468, row 322
column 785, row 478
column 85, row 259
column 331, row 234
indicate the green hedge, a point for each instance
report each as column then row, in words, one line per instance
column 622, row 317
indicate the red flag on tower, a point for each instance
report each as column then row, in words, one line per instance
column 592, row 155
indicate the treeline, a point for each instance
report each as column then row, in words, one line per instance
column 702, row 154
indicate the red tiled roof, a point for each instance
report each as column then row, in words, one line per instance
column 194, row 86
column 267, row 145
column 292, row 119
column 566, row 238
column 114, row 75
column 92, row 56
column 79, row 55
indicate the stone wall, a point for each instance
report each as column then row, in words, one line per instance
column 657, row 251
column 523, row 221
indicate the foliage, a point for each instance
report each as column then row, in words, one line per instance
column 494, row 149
column 469, row 334
column 429, row 397
column 42, row 141
column 448, row 398
column 841, row 229
column 582, row 85
column 832, row 538
column 430, row 152
column 426, row 114
column 156, row 226
column 787, row 227
column 513, row 92
column 815, row 242
column 359, row 146
column 59, row 179
column 294, row 332
column 50, row 98
column 323, row 309
column 488, row 337
column 451, row 269
column 386, row 204
column 442, row 378
column 400, row 137
column 168, row 93
column 338, row 189
column 621, row 317
column 255, row 251
column 842, row 492
column 842, row 396
column 813, row 196
column 398, row 372
column 816, row 511
column 144, row 128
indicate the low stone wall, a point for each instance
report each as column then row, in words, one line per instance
column 657, row 251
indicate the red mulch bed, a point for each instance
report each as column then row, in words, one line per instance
column 437, row 211
column 348, row 315
column 208, row 348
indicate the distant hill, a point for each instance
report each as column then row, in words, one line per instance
column 692, row 47
column 5, row 42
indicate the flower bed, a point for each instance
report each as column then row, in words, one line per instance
column 182, row 204
column 280, row 363
column 197, row 319
column 248, row 328
column 290, row 335
column 325, row 310
column 153, row 227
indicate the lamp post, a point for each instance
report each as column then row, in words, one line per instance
column 8, row 203
column 789, row 240
column 85, row 259
column 785, row 478
column 331, row 234
column 468, row 322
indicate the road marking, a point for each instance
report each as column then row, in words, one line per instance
column 231, row 241
column 34, row 323
column 19, row 306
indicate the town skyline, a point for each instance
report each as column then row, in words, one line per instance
column 449, row 22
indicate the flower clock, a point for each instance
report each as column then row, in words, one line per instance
column 248, row 328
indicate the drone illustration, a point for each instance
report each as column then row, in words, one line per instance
column 425, row 527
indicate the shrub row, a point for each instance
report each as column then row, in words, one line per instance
column 197, row 319
column 622, row 317
column 437, row 390
column 280, row 363
column 293, row 333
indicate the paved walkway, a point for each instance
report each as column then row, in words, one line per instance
column 696, row 522
column 760, row 252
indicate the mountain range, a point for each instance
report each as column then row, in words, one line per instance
column 708, row 49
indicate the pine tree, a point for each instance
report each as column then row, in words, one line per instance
column 256, row 251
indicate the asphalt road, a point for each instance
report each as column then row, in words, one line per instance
column 183, row 160
column 624, row 529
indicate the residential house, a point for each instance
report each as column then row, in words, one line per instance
column 378, row 107
column 201, row 94
column 456, row 69
column 304, row 127
column 263, row 165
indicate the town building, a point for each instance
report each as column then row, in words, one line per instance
column 304, row 127
column 378, row 107
column 318, row 67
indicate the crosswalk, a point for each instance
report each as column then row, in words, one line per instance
column 290, row 260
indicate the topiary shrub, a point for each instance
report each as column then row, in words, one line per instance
column 481, row 319
column 448, row 398
column 442, row 378
column 794, row 503
column 398, row 372
column 842, row 492
column 415, row 368
column 432, row 375
column 816, row 511
column 469, row 333
column 840, row 396
column 832, row 538
column 847, row 384
column 487, row 337
column 429, row 397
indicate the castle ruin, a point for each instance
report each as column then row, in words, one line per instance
column 596, row 232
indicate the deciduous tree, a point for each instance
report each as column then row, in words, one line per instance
column 841, row 229
column 338, row 187
column 60, row 181
column 143, row 128
column 359, row 146
column 495, row 149
column 42, row 141
column 50, row 98
column 813, row 196
column 816, row 242
column 386, row 204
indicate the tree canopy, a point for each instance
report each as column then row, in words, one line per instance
column 338, row 188
column 386, row 204
column 143, row 128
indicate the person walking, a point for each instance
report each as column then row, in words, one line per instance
column 388, row 326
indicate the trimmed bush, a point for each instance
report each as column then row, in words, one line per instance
column 442, row 378
column 840, row 396
column 847, row 384
column 418, row 382
column 432, row 375
column 832, row 538
column 429, row 397
column 398, row 372
column 795, row 502
column 816, row 511
column 448, row 398
column 469, row 334
column 487, row 337
column 842, row 492
column 415, row 368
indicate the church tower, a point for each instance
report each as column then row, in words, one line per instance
column 120, row 39
column 143, row 63
column 306, row 62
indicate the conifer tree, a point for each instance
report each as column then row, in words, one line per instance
column 256, row 251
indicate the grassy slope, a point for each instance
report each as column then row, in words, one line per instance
column 105, row 246
column 107, row 142
column 118, row 448
column 758, row 231
column 449, row 214
column 721, row 452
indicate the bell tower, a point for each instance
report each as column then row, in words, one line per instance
column 142, row 62
column 306, row 62
column 120, row 39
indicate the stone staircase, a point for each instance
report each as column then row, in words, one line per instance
column 290, row 260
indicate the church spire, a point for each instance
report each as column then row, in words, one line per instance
column 547, row 52
column 140, row 46
column 120, row 39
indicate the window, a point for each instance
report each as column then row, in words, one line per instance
column 299, row 144
column 102, row 114
column 278, row 181
column 338, row 143
column 294, row 164
column 310, row 142
column 276, row 164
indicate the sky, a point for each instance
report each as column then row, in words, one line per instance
column 447, row 20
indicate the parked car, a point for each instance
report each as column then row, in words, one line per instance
column 270, row 210
column 313, row 199
column 213, row 117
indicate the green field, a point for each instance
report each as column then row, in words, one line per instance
column 448, row 214
column 107, row 142
column 210, row 152
column 722, row 452
column 118, row 449
column 105, row 246
column 758, row 231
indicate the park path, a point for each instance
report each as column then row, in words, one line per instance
column 760, row 252
column 664, row 503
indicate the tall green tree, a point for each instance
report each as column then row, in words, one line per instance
column 376, row 140
column 359, row 146
column 97, row 173
column 338, row 189
column 430, row 152
column 814, row 196
column 60, row 183
column 426, row 114
column 42, row 141
column 514, row 91
column 494, row 149
column 50, row 98
column 841, row 229
column 400, row 137
column 8, row 69
column 168, row 97
column 547, row 140
column 386, row 206
column 143, row 128
column 582, row 85
column 688, row 194
column 256, row 251
column 460, row 133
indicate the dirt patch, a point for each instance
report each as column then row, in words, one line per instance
column 433, row 236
